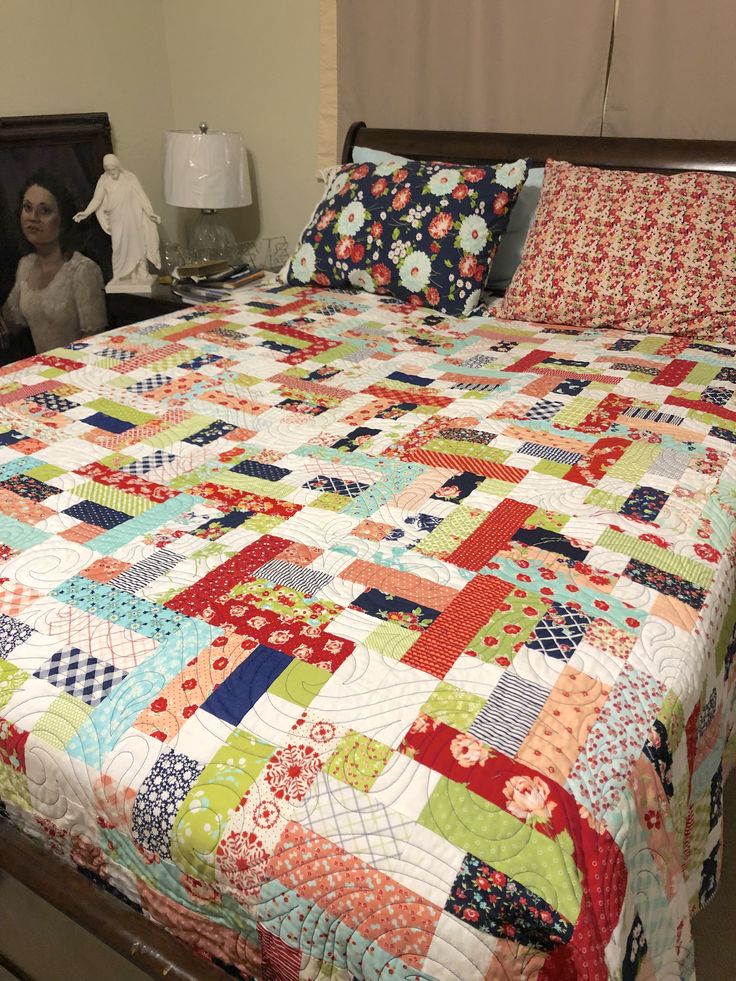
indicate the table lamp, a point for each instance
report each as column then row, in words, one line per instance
column 209, row 171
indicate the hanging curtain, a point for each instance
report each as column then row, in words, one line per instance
column 673, row 70
column 328, row 137
column 471, row 64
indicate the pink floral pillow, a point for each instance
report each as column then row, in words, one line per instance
column 640, row 251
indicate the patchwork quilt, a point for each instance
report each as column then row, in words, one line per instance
column 347, row 640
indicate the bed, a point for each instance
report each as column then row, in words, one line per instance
column 344, row 639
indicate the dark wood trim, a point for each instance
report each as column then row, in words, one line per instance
column 140, row 940
column 599, row 151
column 88, row 127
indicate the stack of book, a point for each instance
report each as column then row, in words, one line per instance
column 212, row 280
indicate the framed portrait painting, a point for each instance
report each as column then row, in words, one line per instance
column 68, row 147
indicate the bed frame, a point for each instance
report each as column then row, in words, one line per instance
column 143, row 942
column 661, row 156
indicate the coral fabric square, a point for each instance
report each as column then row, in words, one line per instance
column 646, row 252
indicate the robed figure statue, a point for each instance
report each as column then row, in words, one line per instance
column 125, row 213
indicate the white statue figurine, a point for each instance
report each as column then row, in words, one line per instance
column 125, row 213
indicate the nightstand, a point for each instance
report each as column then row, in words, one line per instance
column 129, row 308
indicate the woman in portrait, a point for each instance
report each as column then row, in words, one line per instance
column 126, row 214
column 58, row 293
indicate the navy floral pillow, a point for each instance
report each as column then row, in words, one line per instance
column 424, row 232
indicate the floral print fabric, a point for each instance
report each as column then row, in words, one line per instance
column 423, row 232
column 642, row 252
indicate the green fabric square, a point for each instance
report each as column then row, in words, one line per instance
column 262, row 523
column 12, row 680
column 551, row 469
column 61, row 720
column 453, row 706
column 391, row 640
column 14, row 788
column 330, row 502
column 300, row 682
column 358, row 760
column 207, row 808
column 45, row 472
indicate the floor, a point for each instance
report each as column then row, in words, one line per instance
column 49, row 947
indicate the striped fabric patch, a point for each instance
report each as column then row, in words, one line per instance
column 144, row 572
column 296, row 577
column 509, row 713
column 549, row 453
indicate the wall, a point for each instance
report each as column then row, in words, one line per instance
column 92, row 56
column 253, row 66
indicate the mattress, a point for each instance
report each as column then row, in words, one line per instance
column 351, row 641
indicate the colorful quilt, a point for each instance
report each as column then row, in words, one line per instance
column 348, row 640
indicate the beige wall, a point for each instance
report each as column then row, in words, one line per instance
column 253, row 66
column 92, row 56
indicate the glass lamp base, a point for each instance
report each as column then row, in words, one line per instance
column 210, row 237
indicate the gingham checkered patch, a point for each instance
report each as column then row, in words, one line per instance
column 80, row 675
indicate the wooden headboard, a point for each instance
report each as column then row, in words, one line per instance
column 599, row 151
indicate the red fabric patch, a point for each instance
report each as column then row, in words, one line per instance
column 492, row 535
column 127, row 482
column 674, row 373
column 417, row 396
column 604, row 453
column 605, row 413
column 710, row 407
column 193, row 600
column 440, row 645
column 240, row 500
column 452, row 461
column 528, row 362
column 13, row 747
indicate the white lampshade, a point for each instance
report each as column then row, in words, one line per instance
column 206, row 170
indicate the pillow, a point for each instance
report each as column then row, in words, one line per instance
column 638, row 251
column 421, row 231
column 508, row 256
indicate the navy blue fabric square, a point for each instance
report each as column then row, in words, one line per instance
column 644, row 503
column 216, row 527
column 395, row 609
column 216, row 430
column 335, row 485
column 200, row 361
column 401, row 376
column 13, row 633
column 109, row 423
column 97, row 514
column 265, row 471
column 458, row 487
column 559, row 632
column 355, row 438
column 12, row 436
column 241, row 690
column 80, row 675
column 421, row 231
column 721, row 433
column 159, row 798
column 571, row 386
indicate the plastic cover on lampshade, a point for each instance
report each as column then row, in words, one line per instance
column 205, row 170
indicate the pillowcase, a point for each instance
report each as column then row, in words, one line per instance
column 367, row 155
column 509, row 252
column 508, row 256
column 424, row 232
column 637, row 251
